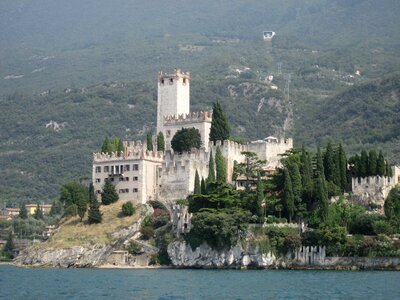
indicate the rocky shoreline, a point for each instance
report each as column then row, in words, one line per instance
column 203, row 257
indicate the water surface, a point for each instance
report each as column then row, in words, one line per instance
column 17, row 283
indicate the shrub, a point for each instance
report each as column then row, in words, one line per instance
column 292, row 242
column 382, row 227
column 128, row 209
column 147, row 233
column 363, row 224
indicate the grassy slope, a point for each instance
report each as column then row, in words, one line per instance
column 74, row 233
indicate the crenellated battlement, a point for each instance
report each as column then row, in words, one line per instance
column 193, row 117
column 271, row 140
column 162, row 77
column 129, row 154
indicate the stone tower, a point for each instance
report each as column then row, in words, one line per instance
column 173, row 96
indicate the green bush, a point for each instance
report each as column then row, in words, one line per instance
column 128, row 209
column 382, row 227
column 147, row 233
column 363, row 224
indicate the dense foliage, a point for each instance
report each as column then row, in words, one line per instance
column 109, row 194
column 186, row 139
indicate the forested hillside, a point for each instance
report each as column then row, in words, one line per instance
column 73, row 72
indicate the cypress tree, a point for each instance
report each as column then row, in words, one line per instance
column 197, row 186
column 380, row 165
column 109, row 194
column 220, row 127
column 288, row 196
column 389, row 171
column 260, row 196
column 120, row 147
column 106, row 147
column 220, row 166
column 306, row 175
column 23, row 212
column 319, row 164
column 342, row 166
column 94, row 214
column 203, row 186
column 363, row 164
column 9, row 246
column 160, row 142
column 329, row 165
column 372, row 163
column 211, row 169
column 38, row 212
column 149, row 141
column 321, row 197
column 82, row 205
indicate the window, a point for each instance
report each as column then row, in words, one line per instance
column 168, row 133
column 106, row 169
column 162, row 81
column 124, row 179
column 98, row 192
column 123, row 191
column 135, row 178
column 98, row 169
column 117, row 169
column 112, row 179
column 135, row 190
column 126, row 167
column 135, row 167
column 98, row 180
column 184, row 81
column 171, row 81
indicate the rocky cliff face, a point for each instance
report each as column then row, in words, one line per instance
column 77, row 257
column 182, row 255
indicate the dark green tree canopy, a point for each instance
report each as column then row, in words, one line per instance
column 94, row 214
column 220, row 166
column 220, row 127
column 109, row 194
column 186, row 139
column 149, row 141
column 160, row 142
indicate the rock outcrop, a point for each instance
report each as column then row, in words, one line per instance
column 182, row 255
column 77, row 257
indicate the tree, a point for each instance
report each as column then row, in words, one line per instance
column 380, row 165
column 128, row 209
column 197, row 186
column 186, row 139
column 82, row 205
column 203, row 186
column 106, row 147
column 211, row 169
column 363, row 172
column 251, row 168
column 220, row 166
column 38, row 212
column 220, row 127
column 288, row 197
column 23, row 212
column 319, row 164
column 149, row 141
column 392, row 204
column 120, row 147
column 9, row 246
column 94, row 214
column 342, row 166
column 56, row 208
column 321, row 196
column 330, row 167
column 160, row 142
column 72, row 192
column 109, row 194
column 372, row 163
column 306, row 176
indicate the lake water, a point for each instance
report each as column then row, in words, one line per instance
column 16, row 283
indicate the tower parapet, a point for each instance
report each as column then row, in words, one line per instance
column 193, row 117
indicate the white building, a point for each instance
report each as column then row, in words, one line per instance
column 140, row 176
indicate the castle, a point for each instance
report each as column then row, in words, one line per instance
column 140, row 175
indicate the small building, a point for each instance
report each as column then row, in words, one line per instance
column 118, row 258
column 7, row 218
column 13, row 212
column 268, row 35
column 31, row 208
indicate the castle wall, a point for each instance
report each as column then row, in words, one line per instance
column 176, row 176
column 198, row 120
column 134, row 174
column 374, row 189
column 173, row 96
column 270, row 149
column 231, row 151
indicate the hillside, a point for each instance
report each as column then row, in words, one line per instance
column 363, row 116
column 64, row 88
